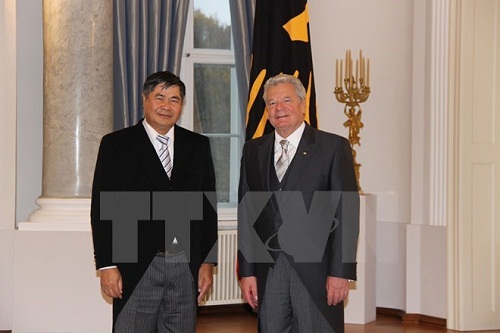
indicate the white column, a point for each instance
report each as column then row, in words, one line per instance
column 426, row 234
column 438, row 117
column 78, row 106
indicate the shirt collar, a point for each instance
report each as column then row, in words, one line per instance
column 152, row 133
column 293, row 138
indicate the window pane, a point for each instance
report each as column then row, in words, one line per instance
column 212, row 98
column 212, row 24
column 221, row 156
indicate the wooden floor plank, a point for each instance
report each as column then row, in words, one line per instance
column 236, row 319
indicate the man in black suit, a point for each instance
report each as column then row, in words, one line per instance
column 298, row 218
column 160, row 163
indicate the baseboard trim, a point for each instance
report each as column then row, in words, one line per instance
column 412, row 318
column 391, row 312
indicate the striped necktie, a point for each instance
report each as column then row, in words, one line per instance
column 283, row 161
column 164, row 155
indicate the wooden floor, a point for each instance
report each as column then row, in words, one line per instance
column 236, row 319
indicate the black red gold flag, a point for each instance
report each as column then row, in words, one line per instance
column 281, row 44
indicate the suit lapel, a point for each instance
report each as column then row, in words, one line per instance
column 302, row 158
column 147, row 157
column 182, row 151
column 265, row 152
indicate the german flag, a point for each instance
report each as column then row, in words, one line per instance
column 281, row 44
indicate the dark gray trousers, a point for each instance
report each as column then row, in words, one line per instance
column 163, row 301
column 287, row 306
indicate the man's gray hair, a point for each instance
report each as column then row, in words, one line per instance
column 285, row 78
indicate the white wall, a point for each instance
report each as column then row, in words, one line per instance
column 7, row 159
column 29, row 58
column 7, row 113
column 383, row 29
column 56, row 288
column 7, row 278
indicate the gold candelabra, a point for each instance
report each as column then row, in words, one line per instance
column 352, row 90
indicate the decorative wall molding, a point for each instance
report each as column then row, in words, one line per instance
column 453, row 153
column 438, row 121
column 59, row 215
column 412, row 318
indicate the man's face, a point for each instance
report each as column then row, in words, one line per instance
column 284, row 108
column 162, row 107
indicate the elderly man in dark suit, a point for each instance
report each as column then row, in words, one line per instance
column 298, row 218
column 158, row 290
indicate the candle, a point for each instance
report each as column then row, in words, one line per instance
column 363, row 69
column 350, row 69
column 347, row 64
column 357, row 65
column 336, row 73
column 341, row 76
column 360, row 63
column 368, row 73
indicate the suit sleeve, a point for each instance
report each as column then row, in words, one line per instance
column 104, row 180
column 243, row 267
column 344, row 238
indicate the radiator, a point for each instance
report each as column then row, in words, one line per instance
column 225, row 289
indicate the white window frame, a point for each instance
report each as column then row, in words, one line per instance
column 190, row 57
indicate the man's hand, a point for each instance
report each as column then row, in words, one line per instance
column 337, row 290
column 111, row 282
column 205, row 280
column 249, row 290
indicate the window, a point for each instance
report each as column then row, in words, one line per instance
column 212, row 107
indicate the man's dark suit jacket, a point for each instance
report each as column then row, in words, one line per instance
column 323, row 162
column 127, row 161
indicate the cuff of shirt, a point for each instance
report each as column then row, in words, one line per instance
column 107, row 267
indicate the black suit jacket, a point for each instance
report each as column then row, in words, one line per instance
column 127, row 161
column 323, row 163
